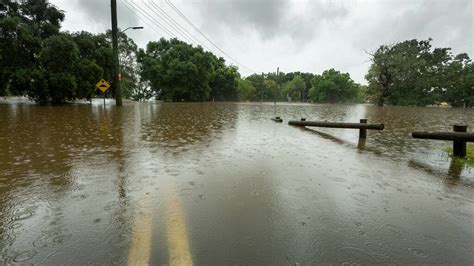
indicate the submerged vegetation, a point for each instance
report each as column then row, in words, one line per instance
column 48, row 65
column 469, row 156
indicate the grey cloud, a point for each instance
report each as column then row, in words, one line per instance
column 317, row 16
column 98, row 11
column 270, row 18
column 265, row 16
column 449, row 23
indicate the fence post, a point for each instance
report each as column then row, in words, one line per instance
column 363, row 131
column 459, row 147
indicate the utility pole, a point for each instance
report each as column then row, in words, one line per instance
column 261, row 90
column 278, row 82
column 115, row 69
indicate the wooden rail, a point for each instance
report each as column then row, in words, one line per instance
column 459, row 137
column 453, row 136
column 363, row 126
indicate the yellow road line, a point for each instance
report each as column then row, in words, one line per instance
column 177, row 237
column 178, row 244
column 140, row 247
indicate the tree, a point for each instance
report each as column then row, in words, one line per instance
column 129, row 68
column 295, row 88
column 264, row 87
column 87, row 74
column 333, row 86
column 58, row 59
column 361, row 93
column 142, row 91
column 271, row 90
column 459, row 82
column 95, row 59
column 24, row 26
column 178, row 71
column 412, row 73
column 294, row 84
column 246, row 90
column 224, row 82
column 256, row 81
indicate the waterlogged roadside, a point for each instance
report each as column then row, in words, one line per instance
column 220, row 183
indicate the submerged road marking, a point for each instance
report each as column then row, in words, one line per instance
column 140, row 247
column 178, row 244
column 177, row 237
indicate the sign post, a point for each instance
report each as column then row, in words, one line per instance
column 103, row 85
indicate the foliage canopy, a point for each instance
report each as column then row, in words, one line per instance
column 413, row 73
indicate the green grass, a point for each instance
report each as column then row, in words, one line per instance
column 469, row 154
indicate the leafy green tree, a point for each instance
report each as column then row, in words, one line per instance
column 361, row 93
column 142, row 91
column 58, row 59
column 333, row 86
column 295, row 88
column 103, row 55
column 87, row 73
column 129, row 68
column 173, row 70
column 178, row 71
column 246, row 90
column 413, row 73
column 307, row 77
column 95, row 59
column 23, row 26
column 224, row 82
column 271, row 90
column 266, row 87
column 257, row 82
column 459, row 82
column 62, row 87
column 302, row 82
column 37, row 86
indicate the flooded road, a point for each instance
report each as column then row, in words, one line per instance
column 220, row 183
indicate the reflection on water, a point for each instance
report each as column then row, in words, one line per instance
column 451, row 176
column 219, row 183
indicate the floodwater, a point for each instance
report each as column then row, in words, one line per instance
column 220, row 183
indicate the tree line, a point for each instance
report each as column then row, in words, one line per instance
column 331, row 86
column 48, row 65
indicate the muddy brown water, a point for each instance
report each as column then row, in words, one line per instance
column 220, row 183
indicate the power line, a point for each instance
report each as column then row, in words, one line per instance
column 153, row 16
column 176, row 26
column 173, row 23
column 171, row 26
column 146, row 23
column 150, row 18
column 202, row 34
column 134, row 10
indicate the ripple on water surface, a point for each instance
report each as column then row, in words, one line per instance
column 73, row 180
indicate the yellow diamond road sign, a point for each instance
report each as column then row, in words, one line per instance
column 103, row 85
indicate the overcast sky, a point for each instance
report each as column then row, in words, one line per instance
column 295, row 35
